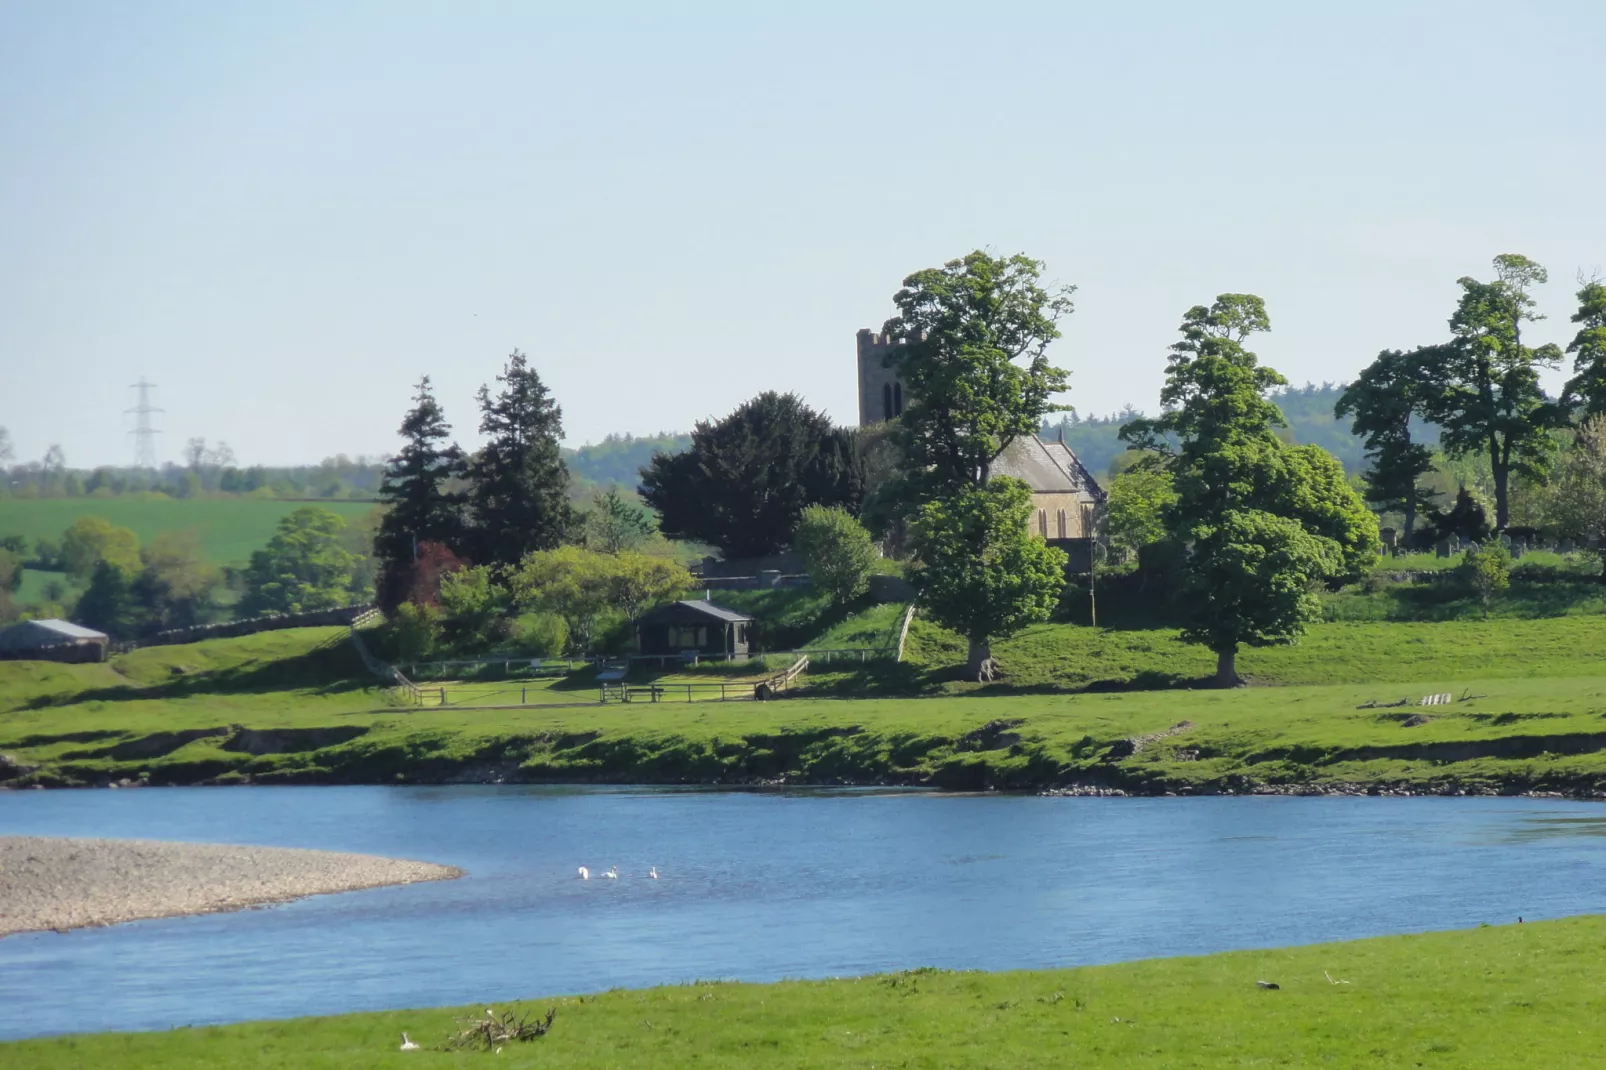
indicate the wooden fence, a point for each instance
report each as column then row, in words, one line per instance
column 619, row 691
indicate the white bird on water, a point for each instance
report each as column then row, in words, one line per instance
column 407, row 1044
column 653, row 873
column 613, row 873
column 585, row 874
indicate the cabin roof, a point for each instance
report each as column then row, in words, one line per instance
column 692, row 608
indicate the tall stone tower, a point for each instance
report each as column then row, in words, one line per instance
column 881, row 393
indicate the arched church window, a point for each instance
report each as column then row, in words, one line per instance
column 886, row 401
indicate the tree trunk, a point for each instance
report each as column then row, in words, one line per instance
column 1410, row 519
column 1502, row 510
column 980, row 666
column 1227, row 668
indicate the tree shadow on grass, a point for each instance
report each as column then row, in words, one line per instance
column 327, row 670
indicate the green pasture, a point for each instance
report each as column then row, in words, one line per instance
column 1504, row 995
column 230, row 528
column 1528, row 713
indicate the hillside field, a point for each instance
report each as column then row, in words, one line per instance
column 230, row 528
column 1503, row 995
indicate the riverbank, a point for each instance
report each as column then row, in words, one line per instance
column 292, row 708
column 1509, row 995
column 60, row 884
column 1493, row 737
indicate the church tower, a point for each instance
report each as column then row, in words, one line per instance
column 881, row 393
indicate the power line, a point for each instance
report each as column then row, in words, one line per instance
column 144, row 434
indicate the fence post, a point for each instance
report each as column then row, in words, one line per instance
column 524, row 696
column 443, row 696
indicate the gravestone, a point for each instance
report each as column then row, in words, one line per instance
column 1390, row 541
column 1442, row 548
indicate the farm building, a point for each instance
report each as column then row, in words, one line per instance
column 694, row 627
column 53, row 640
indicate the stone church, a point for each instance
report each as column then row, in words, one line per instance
column 1065, row 496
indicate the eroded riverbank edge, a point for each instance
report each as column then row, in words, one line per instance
column 1499, row 752
column 50, row 883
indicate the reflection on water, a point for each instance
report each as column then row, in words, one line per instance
column 763, row 885
column 1541, row 828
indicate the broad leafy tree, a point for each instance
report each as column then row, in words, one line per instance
column 1381, row 403
column 93, row 539
column 177, row 587
column 304, row 566
column 837, row 552
column 1587, row 388
column 1249, row 583
column 1264, row 521
column 980, row 572
column 421, row 505
column 747, row 478
column 1484, row 387
column 519, row 486
column 975, row 334
column 1139, row 501
column 1579, row 506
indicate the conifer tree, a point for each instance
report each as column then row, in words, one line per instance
column 519, row 485
column 421, row 506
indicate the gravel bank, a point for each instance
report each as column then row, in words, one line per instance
column 48, row 883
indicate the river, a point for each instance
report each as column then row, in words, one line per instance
column 765, row 885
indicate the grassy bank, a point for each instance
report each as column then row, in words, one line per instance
column 1506, row 996
column 292, row 706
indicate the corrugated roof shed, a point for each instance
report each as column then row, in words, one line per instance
column 31, row 634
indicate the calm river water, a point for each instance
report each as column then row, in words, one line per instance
column 759, row 886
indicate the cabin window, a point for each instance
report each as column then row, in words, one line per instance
column 897, row 399
column 886, row 401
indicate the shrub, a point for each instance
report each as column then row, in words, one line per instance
column 1485, row 570
column 837, row 552
column 416, row 631
column 541, row 635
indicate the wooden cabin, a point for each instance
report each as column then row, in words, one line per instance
column 694, row 627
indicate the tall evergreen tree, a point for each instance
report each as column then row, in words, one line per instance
column 519, row 485
column 1389, row 392
column 1485, row 390
column 745, row 481
column 420, row 505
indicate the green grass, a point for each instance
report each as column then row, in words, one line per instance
column 292, row 706
column 1510, row 996
column 230, row 528
column 1073, row 657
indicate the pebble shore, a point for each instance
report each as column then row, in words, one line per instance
column 60, row 884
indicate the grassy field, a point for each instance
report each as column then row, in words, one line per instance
column 230, row 528
column 1507, row 995
column 292, row 706
column 1072, row 657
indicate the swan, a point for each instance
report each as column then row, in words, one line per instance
column 613, row 873
column 407, row 1044
column 585, row 874
column 653, row 873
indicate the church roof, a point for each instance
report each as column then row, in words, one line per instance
column 1046, row 467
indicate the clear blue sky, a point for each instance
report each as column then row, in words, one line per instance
column 284, row 213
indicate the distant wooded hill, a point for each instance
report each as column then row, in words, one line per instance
column 1308, row 410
